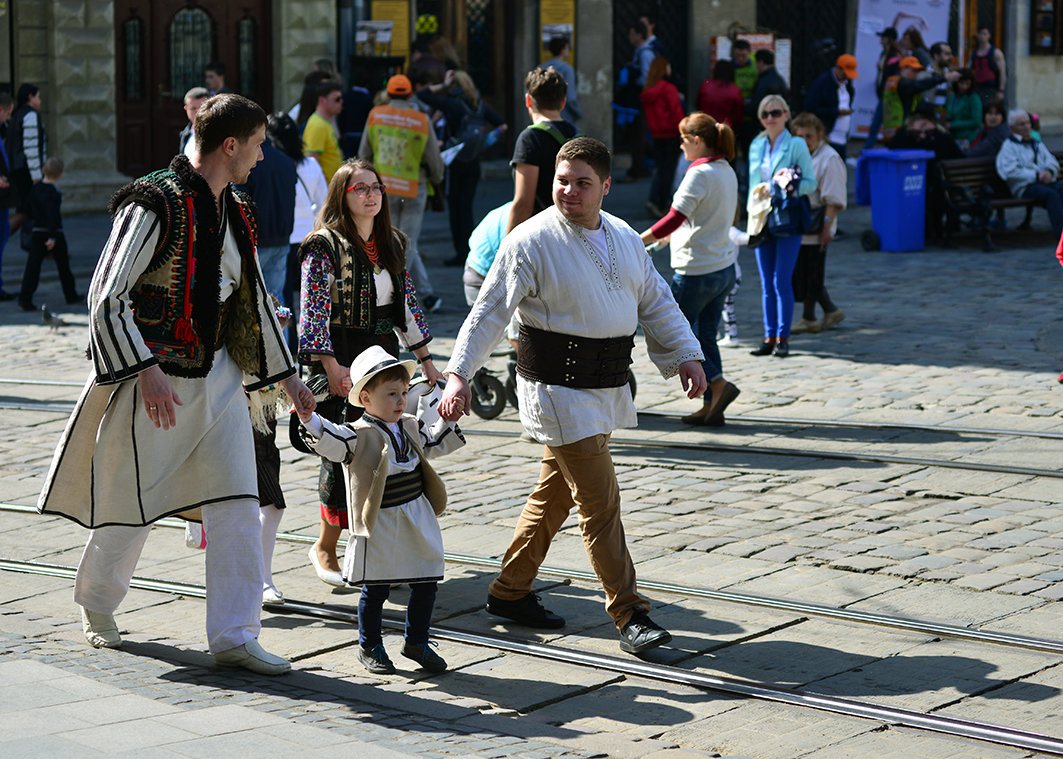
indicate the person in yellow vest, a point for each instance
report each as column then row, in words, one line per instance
column 401, row 143
column 319, row 134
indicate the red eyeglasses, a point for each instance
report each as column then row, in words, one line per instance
column 361, row 190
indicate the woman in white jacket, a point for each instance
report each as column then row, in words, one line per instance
column 311, row 187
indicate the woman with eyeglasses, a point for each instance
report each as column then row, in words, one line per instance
column 355, row 293
column 774, row 153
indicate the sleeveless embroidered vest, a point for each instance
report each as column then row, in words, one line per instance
column 175, row 301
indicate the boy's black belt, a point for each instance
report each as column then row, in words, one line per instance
column 555, row 358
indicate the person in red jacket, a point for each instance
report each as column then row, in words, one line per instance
column 720, row 97
column 664, row 111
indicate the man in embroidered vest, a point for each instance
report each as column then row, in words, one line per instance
column 580, row 282
column 180, row 325
column 401, row 143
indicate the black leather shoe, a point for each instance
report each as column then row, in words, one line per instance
column 27, row 305
column 527, row 611
column 423, row 654
column 376, row 660
column 765, row 349
column 641, row 634
column 782, row 350
column 4, row 295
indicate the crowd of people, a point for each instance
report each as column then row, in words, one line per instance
column 306, row 224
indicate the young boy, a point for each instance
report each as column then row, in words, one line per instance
column 394, row 497
column 44, row 203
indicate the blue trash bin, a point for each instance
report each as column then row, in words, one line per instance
column 898, row 196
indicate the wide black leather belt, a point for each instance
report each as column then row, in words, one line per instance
column 555, row 358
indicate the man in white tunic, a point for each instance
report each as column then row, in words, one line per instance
column 580, row 282
column 180, row 325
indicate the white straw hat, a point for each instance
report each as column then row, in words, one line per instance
column 369, row 363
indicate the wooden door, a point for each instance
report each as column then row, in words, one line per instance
column 161, row 49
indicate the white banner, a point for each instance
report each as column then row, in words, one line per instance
column 930, row 17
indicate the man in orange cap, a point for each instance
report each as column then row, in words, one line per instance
column 401, row 143
column 830, row 97
column 915, row 79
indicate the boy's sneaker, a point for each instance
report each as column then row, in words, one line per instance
column 527, row 611
column 728, row 341
column 423, row 654
column 376, row 660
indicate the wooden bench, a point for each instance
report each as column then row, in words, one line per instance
column 972, row 188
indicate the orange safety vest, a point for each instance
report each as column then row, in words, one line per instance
column 398, row 137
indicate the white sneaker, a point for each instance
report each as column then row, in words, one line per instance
column 270, row 595
column 253, row 657
column 100, row 629
column 727, row 341
column 335, row 579
column 804, row 326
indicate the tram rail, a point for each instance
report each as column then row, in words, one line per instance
column 769, row 603
column 631, row 667
column 707, row 446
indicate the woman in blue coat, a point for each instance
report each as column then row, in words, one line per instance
column 775, row 150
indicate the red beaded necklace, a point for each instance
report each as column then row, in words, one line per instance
column 369, row 247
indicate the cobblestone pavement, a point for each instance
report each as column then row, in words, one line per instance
column 957, row 338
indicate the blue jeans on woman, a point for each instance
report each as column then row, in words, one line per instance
column 418, row 612
column 700, row 298
column 776, row 259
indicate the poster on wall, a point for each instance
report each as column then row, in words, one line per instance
column 397, row 12
column 557, row 18
column 930, row 17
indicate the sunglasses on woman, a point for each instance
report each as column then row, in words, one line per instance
column 772, row 114
column 361, row 190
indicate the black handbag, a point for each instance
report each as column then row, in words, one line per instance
column 790, row 213
column 818, row 217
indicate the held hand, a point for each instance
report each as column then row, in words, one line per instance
column 430, row 372
column 49, row 244
column 159, row 397
column 826, row 234
column 301, row 396
column 456, row 398
column 693, row 378
column 4, row 182
column 339, row 379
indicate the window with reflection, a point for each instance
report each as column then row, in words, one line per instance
column 247, row 56
column 191, row 46
column 133, row 35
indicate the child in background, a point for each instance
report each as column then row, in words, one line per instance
column 729, row 323
column 394, row 496
column 44, row 204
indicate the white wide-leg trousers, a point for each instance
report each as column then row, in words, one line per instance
column 233, row 577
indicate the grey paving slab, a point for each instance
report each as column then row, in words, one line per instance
column 1034, row 704
column 937, row 673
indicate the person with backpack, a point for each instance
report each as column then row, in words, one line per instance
column 471, row 123
column 537, row 146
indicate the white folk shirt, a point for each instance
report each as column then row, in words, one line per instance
column 839, row 135
column 551, row 277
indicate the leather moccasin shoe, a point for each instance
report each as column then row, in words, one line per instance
column 253, row 657
column 100, row 629
column 782, row 350
column 423, row 654
column 714, row 417
column 327, row 576
column 641, row 634
column 527, row 611
column 764, row 349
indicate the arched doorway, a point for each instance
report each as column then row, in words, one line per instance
column 161, row 47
